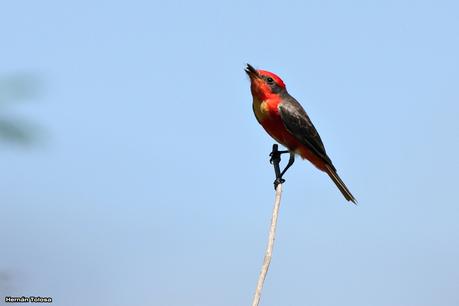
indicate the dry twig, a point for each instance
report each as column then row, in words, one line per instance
column 269, row 248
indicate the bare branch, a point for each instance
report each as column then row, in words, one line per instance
column 269, row 248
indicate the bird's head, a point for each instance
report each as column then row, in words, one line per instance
column 264, row 84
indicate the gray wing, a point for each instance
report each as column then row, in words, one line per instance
column 297, row 122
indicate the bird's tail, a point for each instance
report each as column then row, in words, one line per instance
column 340, row 184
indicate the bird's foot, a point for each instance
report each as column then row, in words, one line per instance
column 275, row 161
column 278, row 181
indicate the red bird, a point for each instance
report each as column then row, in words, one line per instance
column 287, row 122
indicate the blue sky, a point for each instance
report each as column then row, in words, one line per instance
column 150, row 182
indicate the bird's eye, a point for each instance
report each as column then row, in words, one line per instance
column 270, row 80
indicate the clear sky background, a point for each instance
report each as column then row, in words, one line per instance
column 149, row 182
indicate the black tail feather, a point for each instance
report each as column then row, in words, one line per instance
column 340, row 184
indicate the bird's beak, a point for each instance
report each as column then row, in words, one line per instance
column 252, row 72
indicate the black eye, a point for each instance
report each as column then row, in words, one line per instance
column 270, row 80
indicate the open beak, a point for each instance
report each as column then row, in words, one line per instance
column 252, row 72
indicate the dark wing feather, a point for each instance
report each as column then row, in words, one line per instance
column 299, row 125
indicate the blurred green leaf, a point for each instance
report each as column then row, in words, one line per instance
column 13, row 130
column 18, row 88
column 14, row 89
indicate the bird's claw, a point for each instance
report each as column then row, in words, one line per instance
column 271, row 158
column 278, row 181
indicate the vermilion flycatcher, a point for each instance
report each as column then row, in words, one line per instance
column 288, row 123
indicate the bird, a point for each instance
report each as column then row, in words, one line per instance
column 286, row 121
